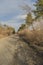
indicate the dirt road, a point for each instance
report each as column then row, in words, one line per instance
column 14, row 51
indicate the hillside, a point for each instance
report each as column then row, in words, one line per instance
column 15, row 51
column 6, row 31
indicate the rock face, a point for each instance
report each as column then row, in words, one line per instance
column 15, row 51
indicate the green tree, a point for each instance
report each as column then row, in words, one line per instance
column 29, row 21
column 22, row 27
column 11, row 30
column 39, row 9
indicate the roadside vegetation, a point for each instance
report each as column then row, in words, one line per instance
column 34, row 36
column 6, row 31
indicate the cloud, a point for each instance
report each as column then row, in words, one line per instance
column 7, row 6
column 21, row 16
column 11, row 13
column 14, row 22
column 10, row 6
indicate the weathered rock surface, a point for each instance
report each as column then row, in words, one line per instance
column 15, row 51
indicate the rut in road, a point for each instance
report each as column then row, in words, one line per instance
column 14, row 51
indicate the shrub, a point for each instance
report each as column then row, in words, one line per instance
column 33, row 37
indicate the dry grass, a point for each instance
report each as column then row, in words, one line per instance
column 6, row 31
column 35, row 38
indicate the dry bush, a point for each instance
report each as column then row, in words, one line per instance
column 6, row 31
column 33, row 37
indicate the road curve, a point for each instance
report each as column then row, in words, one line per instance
column 7, row 49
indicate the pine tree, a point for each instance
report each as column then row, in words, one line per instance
column 39, row 8
column 22, row 27
column 29, row 19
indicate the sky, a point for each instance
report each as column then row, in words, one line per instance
column 11, row 12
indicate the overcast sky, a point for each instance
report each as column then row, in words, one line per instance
column 11, row 13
